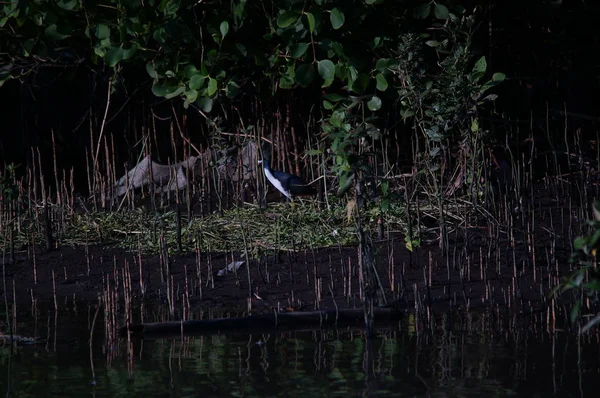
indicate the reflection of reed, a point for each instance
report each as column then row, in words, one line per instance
column 91, row 341
column 462, row 352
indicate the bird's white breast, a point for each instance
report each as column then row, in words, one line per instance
column 276, row 183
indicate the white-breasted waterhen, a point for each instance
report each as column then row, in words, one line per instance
column 286, row 183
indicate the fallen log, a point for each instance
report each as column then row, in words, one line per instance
column 288, row 321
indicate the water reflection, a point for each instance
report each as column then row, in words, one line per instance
column 471, row 356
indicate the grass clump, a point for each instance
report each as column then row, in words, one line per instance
column 298, row 227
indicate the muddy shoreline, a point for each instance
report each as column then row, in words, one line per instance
column 478, row 271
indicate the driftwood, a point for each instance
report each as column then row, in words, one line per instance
column 173, row 177
column 165, row 177
column 289, row 321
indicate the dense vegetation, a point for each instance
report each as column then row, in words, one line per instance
column 356, row 67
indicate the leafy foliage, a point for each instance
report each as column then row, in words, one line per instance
column 361, row 57
column 442, row 98
column 586, row 280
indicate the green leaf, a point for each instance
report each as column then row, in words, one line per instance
column 475, row 125
column 164, row 87
column 297, row 50
column 175, row 93
column 129, row 50
column 67, row 4
column 440, row 11
column 385, row 205
column 374, row 103
column 432, row 43
column 160, row 35
column 191, row 95
column 406, row 113
column 28, row 47
column 189, row 71
column 579, row 243
column 575, row 311
column 238, row 13
column 224, row 28
column 170, row 8
column 382, row 83
column 480, row 65
column 196, row 82
column 38, row 19
column 341, row 71
column 242, row 49
column 346, row 182
column 232, row 89
column 338, row 49
column 305, row 74
column 383, row 64
column 334, row 97
column 478, row 71
column 287, row 18
column 377, row 41
column 203, row 69
column 212, row 87
column 151, row 70
column 326, row 69
column 102, row 31
column 422, row 11
column 311, row 22
column 286, row 82
column 352, row 75
column 594, row 240
column 53, row 33
column 498, row 77
column 361, row 83
column 385, row 187
column 337, row 18
column 205, row 104
column 98, row 54
column 328, row 105
column 337, row 118
column 113, row 56
column 4, row 77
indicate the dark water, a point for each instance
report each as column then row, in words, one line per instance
column 478, row 358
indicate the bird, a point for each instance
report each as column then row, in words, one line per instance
column 286, row 183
